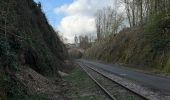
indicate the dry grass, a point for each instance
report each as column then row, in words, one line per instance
column 130, row 46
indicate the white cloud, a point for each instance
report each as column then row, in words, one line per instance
column 79, row 17
column 77, row 24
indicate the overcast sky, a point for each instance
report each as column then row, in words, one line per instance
column 73, row 17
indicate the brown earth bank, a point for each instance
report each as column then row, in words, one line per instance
column 135, row 46
column 30, row 51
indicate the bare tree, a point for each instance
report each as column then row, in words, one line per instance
column 108, row 21
column 98, row 24
column 139, row 11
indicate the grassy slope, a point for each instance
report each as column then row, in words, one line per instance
column 130, row 46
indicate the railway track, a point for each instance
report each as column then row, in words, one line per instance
column 112, row 89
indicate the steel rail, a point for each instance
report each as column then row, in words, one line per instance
column 102, row 88
column 145, row 98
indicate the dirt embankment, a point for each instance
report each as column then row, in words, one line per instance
column 27, row 44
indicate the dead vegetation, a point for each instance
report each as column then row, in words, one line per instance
column 130, row 46
column 38, row 84
column 26, row 39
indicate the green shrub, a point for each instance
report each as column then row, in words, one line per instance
column 157, row 31
column 8, row 55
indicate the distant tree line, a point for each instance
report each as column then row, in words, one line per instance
column 83, row 41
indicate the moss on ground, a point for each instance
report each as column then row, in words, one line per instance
column 82, row 87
